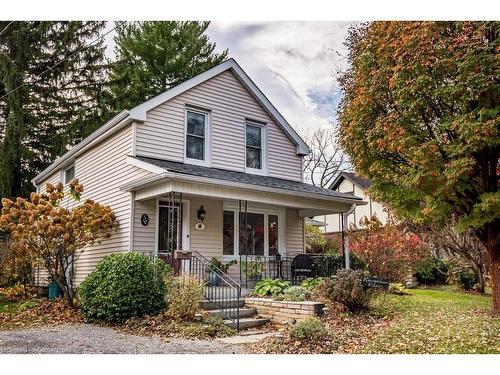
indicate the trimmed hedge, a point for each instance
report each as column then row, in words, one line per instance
column 122, row 286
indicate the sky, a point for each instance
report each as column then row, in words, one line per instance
column 293, row 63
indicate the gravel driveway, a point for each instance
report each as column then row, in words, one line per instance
column 91, row 339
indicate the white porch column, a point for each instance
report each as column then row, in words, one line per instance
column 345, row 236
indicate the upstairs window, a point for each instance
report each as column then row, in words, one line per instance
column 69, row 174
column 196, row 131
column 254, row 146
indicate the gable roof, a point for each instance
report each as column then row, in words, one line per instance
column 139, row 113
column 243, row 178
column 353, row 177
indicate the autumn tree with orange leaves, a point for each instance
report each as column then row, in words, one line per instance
column 54, row 235
column 420, row 118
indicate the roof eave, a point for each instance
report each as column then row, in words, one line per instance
column 168, row 175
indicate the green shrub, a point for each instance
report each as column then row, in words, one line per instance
column 355, row 262
column 122, row 286
column 348, row 289
column 315, row 240
column 311, row 329
column 270, row 287
column 432, row 271
column 332, row 262
column 294, row 294
column 311, row 283
column 184, row 295
column 464, row 277
column 252, row 268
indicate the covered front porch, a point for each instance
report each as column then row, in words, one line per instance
column 255, row 223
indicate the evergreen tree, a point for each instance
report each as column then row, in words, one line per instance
column 155, row 56
column 52, row 91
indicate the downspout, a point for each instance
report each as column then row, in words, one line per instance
column 345, row 237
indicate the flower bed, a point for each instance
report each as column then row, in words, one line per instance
column 279, row 311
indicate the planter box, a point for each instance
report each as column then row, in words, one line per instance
column 280, row 311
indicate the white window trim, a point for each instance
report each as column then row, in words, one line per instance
column 63, row 173
column 208, row 120
column 280, row 212
column 263, row 127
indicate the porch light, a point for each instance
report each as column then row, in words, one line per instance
column 201, row 213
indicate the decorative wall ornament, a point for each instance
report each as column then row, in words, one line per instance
column 199, row 226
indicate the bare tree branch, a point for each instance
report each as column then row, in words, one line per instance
column 326, row 159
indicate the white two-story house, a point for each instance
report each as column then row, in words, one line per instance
column 209, row 166
column 351, row 183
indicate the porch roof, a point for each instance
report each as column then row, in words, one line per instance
column 166, row 170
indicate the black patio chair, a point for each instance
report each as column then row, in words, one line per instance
column 302, row 265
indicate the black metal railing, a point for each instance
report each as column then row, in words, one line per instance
column 219, row 289
column 258, row 267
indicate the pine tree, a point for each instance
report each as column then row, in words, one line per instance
column 52, row 93
column 155, row 56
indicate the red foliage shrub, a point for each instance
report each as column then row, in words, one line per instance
column 388, row 251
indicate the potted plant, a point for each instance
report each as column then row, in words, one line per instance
column 214, row 265
column 253, row 270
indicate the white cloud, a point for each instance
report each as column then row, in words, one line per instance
column 294, row 64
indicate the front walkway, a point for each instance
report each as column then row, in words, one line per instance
column 92, row 339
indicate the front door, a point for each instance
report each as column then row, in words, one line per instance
column 173, row 219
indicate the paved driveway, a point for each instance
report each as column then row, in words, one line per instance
column 91, row 339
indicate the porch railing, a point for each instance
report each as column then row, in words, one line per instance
column 219, row 289
column 280, row 267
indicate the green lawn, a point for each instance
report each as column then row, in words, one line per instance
column 437, row 321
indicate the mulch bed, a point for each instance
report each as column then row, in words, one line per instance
column 347, row 333
column 162, row 326
column 41, row 312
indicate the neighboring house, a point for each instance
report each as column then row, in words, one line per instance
column 351, row 183
column 184, row 170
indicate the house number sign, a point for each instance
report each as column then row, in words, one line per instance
column 144, row 219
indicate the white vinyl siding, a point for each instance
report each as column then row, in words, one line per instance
column 162, row 135
column 372, row 208
column 294, row 232
column 102, row 170
column 144, row 235
column 207, row 242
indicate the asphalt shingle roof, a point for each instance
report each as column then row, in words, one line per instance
column 233, row 176
column 363, row 182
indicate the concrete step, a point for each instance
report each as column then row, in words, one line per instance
column 247, row 323
column 225, row 303
column 245, row 312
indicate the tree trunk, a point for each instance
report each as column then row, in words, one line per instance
column 490, row 237
column 495, row 277
column 480, row 278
